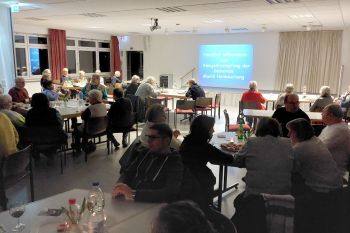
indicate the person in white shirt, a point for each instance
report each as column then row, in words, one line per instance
column 336, row 136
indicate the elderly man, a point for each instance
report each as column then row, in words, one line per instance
column 156, row 175
column 253, row 95
column 289, row 112
column 5, row 107
column 194, row 91
column 132, row 87
column 94, row 85
column 116, row 78
column 18, row 93
column 146, row 89
column 65, row 77
column 336, row 136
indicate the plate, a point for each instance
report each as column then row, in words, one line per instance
column 231, row 146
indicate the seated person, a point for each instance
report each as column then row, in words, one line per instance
column 8, row 143
column 289, row 112
column 146, row 89
column 81, row 76
column 49, row 91
column 96, row 109
column 132, row 87
column 46, row 75
column 344, row 101
column 94, row 85
column 116, row 78
column 19, row 93
column 155, row 114
column 268, row 159
column 253, row 95
column 314, row 165
column 65, row 77
column 196, row 152
column 17, row 119
column 336, row 136
column 280, row 99
column 194, row 91
column 322, row 101
column 156, row 175
column 120, row 117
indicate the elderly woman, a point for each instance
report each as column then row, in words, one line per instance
column 146, row 89
column 49, row 91
column 132, row 88
column 287, row 90
column 196, row 152
column 5, row 107
column 94, row 85
column 322, row 101
column 313, row 162
column 8, row 143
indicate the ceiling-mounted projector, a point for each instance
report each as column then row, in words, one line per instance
column 155, row 25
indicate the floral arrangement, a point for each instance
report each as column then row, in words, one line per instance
column 72, row 216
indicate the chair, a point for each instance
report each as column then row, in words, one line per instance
column 248, row 105
column 233, row 127
column 48, row 139
column 184, row 107
column 150, row 101
column 13, row 169
column 217, row 104
column 204, row 104
column 137, row 107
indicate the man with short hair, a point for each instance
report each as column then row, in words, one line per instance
column 94, row 85
column 156, row 175
column 65, row 77
column 253, row 95
column 5, row 107
column 194, row 91
column 19, row 93
column 336, row 136
column 289, row 112
column 115, row 79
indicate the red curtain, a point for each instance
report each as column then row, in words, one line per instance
column 58, row 52
column 116, row 63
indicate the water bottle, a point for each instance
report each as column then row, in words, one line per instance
column 96, row 199
column 74, row 210
column 96, row 223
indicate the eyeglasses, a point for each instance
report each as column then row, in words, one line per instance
column 152, row 137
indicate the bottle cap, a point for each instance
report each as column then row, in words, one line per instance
column 72, row 201
column 95, row 183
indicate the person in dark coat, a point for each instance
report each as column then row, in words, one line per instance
column 194, row 91
column 132, row 88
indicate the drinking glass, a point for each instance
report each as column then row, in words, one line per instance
column 17, row 210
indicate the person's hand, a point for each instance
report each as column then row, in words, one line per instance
column 176, row 133
column 122, row 189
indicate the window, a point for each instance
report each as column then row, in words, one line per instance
column 105, row 61
column 37, row 40
column 39, row 60
column 70, row 42
column 19, row 39
column 87, row 61
column 84, row 43
column 21, row 62
column 104, row 45
column 71, row 61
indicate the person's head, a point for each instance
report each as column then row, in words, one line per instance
column 5, row 102
column 95, row 79
column 191, row 82
column 151, row 80
column 46, row 77
column 65, row 71
column 159, row 137
column 268, row 126
column 98, row 72
column 325, row 91
column 20, row 83
column 81, row 74
column 289, row 88
column 47, row 72
column 117, row 93
column 202, row 128
column 117, row 73
column 253, row 85
column 40, row 101
column 332, row 114
column 181, row 216
column 299, row 130
column 291, row 102
column 95, row 96
column 155, row 114
column 135, row 79
column 47, row 84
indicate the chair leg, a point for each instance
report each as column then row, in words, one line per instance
column 108, row 147
column 219, row 111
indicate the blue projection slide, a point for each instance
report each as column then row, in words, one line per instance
column 228, row 66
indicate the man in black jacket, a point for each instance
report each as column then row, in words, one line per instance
column 155, row 176
column 194, row 91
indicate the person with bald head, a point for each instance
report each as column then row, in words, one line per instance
column 19, row 93
column 336, row 136
column 6, row 107
column 116, row 78
column 65, row 77
column 289, row 112
column 194, row 91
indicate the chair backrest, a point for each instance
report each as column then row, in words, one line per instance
column 186, row 104
column 95, row 125
column 204, row 102
column 217, row 99
column 16, row 163
column 248, row 105
column 150, row 101
column 45, row 135
column 227, row 120
column 137, row 106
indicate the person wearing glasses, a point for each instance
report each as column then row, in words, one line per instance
column 156, row 175
column 289, row 112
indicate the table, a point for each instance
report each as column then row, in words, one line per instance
column 120, row 214
column 268, row 113
column 223, row 188
column 272, row 98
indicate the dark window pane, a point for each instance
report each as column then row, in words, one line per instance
column 39, row 60
column 84, row 43
column 105, row 64
column 37, row 40
column 21, row 62
column 70, row 42
column 87, row 61
column 19, row 39
column 71, row 61
column 103, row 45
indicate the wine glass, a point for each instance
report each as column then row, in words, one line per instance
column 17, row 210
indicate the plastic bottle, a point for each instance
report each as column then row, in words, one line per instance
column 96, row 199
column 74, row 210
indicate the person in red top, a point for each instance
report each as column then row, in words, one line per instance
column 253, row 95
column 19, row 93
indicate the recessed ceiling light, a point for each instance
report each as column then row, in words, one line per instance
column 212, row 21
column 301, row 16
column 95, row 27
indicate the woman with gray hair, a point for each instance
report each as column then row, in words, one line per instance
column 6, row 107
column 322, row 101
column 94, row 85
column 132, row 87
column 146, row 89
column 315, row 168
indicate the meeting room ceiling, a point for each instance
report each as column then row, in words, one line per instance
column 184, row 16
